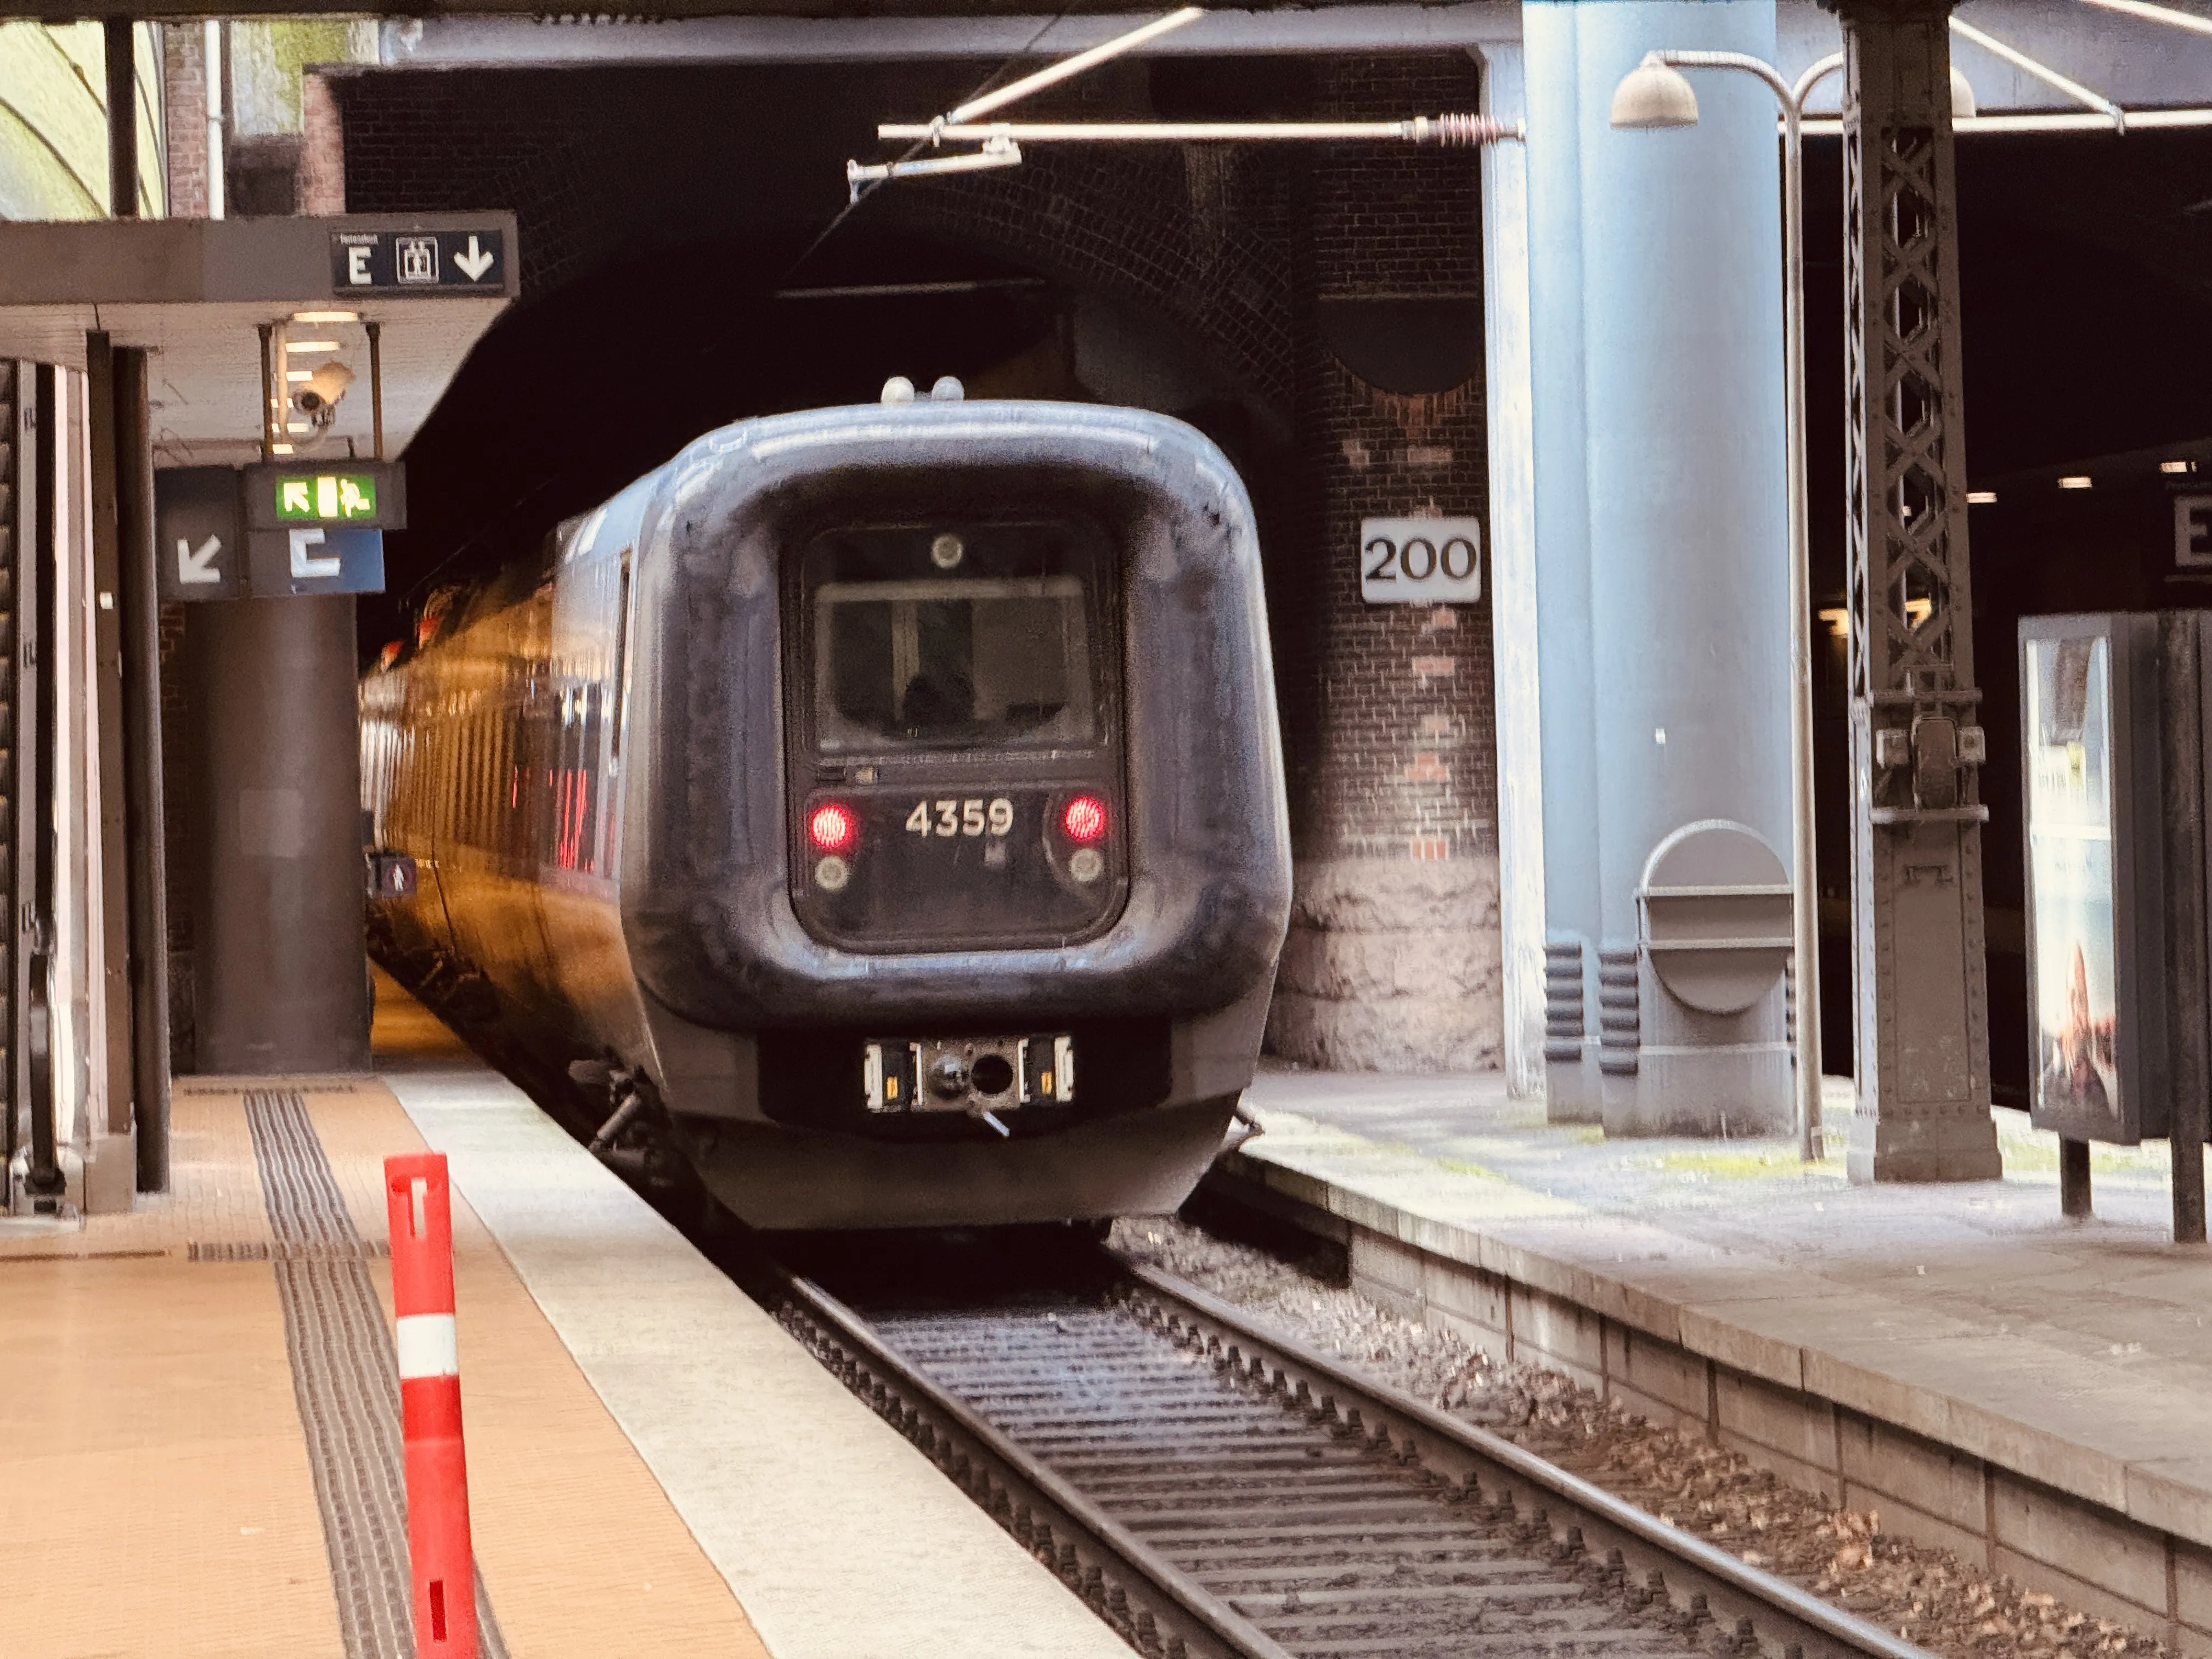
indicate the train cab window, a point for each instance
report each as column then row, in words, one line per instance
column 935, row 637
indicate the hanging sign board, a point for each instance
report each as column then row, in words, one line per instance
column 310, row 559
column 2193, row 532
column 1420, row 561
column 418, row 261
column 199, row 533
column 357, row 495
column 277, row 530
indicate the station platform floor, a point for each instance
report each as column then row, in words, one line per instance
column 2032, row 1391
column 199, row 1447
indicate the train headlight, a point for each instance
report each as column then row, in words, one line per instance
column 832, row 828
column 1084, row 819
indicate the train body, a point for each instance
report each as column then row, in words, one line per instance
column 891, row 795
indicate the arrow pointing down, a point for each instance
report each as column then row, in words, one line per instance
column 197, row 567
column 475, row 262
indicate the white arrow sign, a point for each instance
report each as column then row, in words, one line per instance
column 475, row 262
column 196, row 569
column 307, row 565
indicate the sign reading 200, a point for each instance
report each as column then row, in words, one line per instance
column 1420, row 561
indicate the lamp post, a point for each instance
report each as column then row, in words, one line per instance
column 1656, row 94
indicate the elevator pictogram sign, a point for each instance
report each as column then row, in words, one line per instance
column 418, row 262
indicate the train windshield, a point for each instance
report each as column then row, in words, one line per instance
column 937, row 637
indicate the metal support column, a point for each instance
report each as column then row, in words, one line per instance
column 282, row 981
column 37, row 714
column 112, row 1126
column 1510, row 429
column 1916, row 743
column 1662, row 590
column 139, row 623
column 18, row 510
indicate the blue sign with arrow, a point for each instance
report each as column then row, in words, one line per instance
column 314, row 558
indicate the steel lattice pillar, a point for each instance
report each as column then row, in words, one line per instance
column 1917, row 744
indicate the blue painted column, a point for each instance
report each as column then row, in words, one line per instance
column 1661, row 575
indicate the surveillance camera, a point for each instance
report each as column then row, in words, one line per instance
column 319, row 397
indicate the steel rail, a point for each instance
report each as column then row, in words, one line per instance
column 1160, row 1609
column 1783, row 1618
column 1154, row 1605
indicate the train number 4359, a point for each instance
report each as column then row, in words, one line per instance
column 972, row 817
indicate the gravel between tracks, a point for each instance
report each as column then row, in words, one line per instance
column 1929, row 1595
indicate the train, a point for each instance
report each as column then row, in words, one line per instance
column 879, row 808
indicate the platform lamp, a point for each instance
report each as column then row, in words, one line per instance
column 1655, row 94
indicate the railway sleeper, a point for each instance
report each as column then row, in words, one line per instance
column 1447, row 1468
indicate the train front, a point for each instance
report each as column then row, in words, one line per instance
column 956, row 858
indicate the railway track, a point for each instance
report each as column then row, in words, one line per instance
column 1213, row 1489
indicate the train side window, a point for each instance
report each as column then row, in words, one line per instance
column 465, row 743
column 621, row 680
column 487, row 780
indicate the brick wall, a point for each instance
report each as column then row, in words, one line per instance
column 1394, row 961
column 1388, row 724
column 184, row 96
column 1407, row 765
column 426, row 143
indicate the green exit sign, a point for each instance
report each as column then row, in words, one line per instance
column 327, row 497
column 367, row 495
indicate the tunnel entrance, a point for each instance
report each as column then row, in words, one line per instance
column 1316, row 312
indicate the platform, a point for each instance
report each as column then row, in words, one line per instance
column 198, row 1432
column 2033, row 1392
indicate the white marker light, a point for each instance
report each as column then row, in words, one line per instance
column 2077, row 480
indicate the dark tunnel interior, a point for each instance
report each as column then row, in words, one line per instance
column 703, row 303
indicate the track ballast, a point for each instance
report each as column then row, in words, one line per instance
column 1212, row 1489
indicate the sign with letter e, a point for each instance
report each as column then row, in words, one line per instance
column 199, row 539
column 2193, row 532
column 418, row 262
column 1420, row 561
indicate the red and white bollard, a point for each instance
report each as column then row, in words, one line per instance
column 419, row 1199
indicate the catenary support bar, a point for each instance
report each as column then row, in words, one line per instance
column 1446, row 130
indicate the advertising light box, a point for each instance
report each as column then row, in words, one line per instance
column 2112, row 760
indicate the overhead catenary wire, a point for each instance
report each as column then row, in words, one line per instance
column 1053, row 74
column 861, row 192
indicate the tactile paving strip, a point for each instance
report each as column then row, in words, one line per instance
column 262, row 1251
column 345, row 1379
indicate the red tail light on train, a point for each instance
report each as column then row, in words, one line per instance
column 1083, row 820
column 833, row 827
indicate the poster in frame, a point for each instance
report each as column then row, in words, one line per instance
column 2089, row 748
